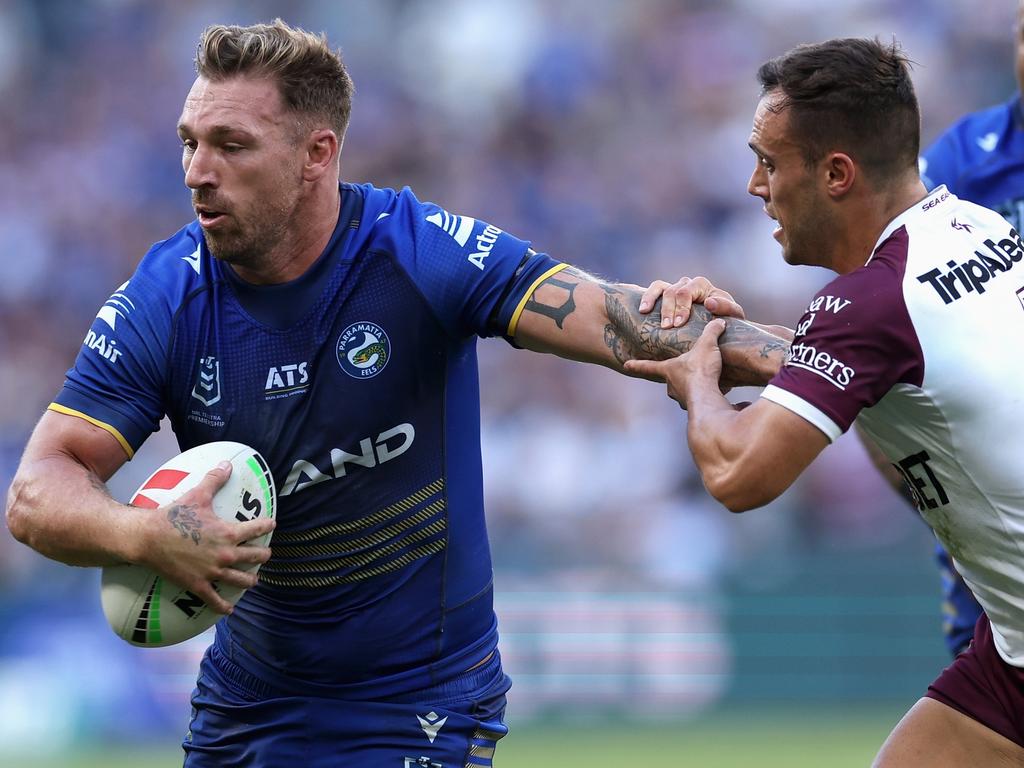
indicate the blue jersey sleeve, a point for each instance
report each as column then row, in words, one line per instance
column 118, row 377
column 475, row 276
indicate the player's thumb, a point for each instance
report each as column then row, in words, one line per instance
column 644, row 368
column 712, row 331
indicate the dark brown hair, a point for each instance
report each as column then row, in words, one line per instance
column 850, row 95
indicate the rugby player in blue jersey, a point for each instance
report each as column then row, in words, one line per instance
column 332, row 327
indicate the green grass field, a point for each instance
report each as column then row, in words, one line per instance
column 738, row 740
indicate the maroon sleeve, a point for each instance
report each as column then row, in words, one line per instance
column 856, row 340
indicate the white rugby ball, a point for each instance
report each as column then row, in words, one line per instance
column 148, row 610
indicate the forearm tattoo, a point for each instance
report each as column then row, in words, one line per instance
column 630, row 335
column 559, row 312
column 183, row 517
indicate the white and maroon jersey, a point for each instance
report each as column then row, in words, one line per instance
column 924, row 345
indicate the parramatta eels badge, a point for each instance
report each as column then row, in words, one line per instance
column 363, row 350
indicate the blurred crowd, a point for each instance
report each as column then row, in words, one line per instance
column 610, row 134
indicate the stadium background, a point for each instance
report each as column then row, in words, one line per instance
column 634, row 611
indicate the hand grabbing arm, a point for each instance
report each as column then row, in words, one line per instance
column 577, row 316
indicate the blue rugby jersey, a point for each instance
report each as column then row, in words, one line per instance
column 979, row 158
column 358, row 384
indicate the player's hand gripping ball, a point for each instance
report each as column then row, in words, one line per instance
column 144, row 608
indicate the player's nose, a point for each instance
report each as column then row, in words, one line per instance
column 757, row 185
column 199, row 169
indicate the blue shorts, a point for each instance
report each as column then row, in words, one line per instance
column 236, row 722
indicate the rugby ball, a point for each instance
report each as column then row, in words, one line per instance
column 146, row 609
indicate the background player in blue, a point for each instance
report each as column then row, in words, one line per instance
column 979, row 158
column 332, row 327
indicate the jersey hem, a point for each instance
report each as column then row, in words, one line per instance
column 513, row 322
column 803, row 409
column 57, row 408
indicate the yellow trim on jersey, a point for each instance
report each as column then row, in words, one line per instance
column 514, row 322
column 95, row 422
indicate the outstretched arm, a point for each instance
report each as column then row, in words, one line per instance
column 577, row 316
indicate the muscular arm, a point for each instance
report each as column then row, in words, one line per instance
column 746, row 457
column 58, row 504
column 576, row 316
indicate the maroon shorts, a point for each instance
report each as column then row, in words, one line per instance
column 982, row 686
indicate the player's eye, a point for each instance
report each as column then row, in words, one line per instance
column 188, row 145
column 232, row 149
column 765, row 164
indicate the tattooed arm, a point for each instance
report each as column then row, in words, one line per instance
column 59, row 505
column 577, row 316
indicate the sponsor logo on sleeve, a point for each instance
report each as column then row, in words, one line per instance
column 118, row 305
column 458, row 227
column 970, row 276
column 484, row 243
column 820, row 363
column 363, row 350
column 104, row 347
column 833, row 304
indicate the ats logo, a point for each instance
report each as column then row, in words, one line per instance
column 363, row 350
column 286, row 380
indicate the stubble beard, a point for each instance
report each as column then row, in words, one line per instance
column 249, row 246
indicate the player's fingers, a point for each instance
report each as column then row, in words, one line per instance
column 250, row 554
column 646, row 368
column 651, row 295
column 251, row 529
column 237, row 578
column 205, row 591
column 684, row 295
column 709, row 336
column 722, row 304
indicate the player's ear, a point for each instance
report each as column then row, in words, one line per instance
column 322, row 149
column 842, row 172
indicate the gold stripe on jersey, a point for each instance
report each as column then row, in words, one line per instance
column 56, row 408
column 481, row 752
column 343, row 547
column 327, row 581
column 486, row 753
column 358, row 561
column 514, row 322
column 362, row 523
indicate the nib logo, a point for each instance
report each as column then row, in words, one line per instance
column 431, row 724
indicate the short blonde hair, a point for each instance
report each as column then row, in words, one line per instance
column 311, row 78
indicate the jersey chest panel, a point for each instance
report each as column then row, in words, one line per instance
column 346, row 406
